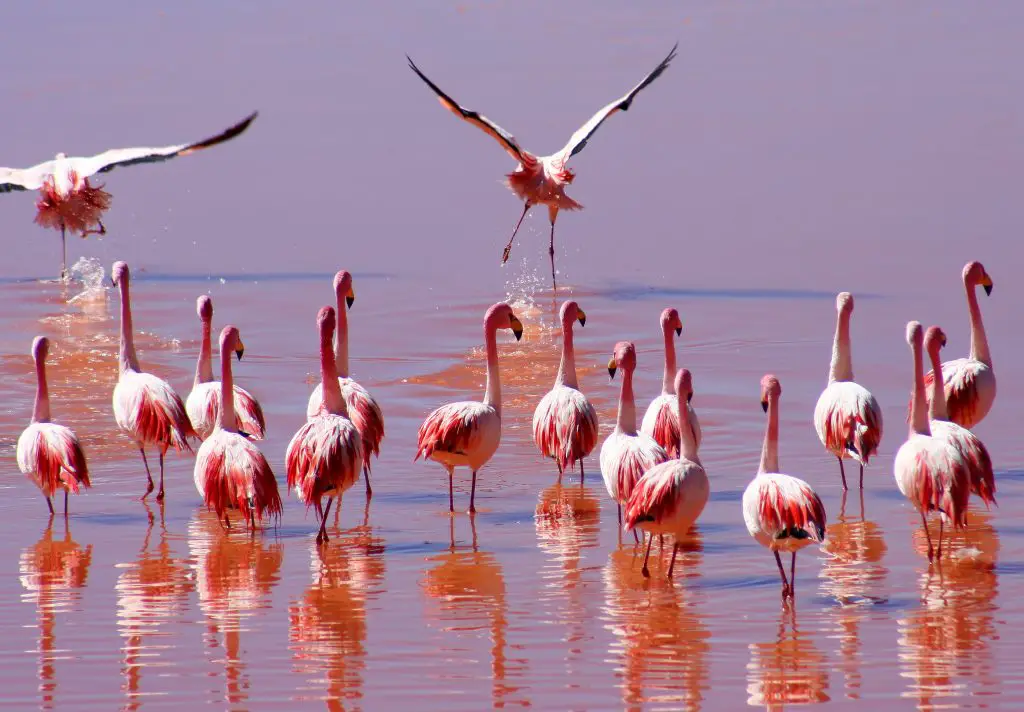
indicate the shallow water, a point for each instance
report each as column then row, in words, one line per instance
column 790, row 152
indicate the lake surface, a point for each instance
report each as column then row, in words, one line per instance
column 790, row 152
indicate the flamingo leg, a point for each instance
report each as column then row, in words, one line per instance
column 842, row 472
column 924, row 523
column 337, row 510
column 160, row 494
column 64, row 254
column 366, row 476
column 321, row 536
column 792, row 576
column 583, row 475
column 49, row 504
column 672, row 564
column 508, row 247
column 227, row 522
column 101, row 231
column 782, row 572
column 451, row 497
column 644, row 570
column 559, row 466
column 65, row 504
column 551, row 252
column 862, row 475
column 661, row 542
column 472, row 495
column 619, row 506
column 938, row 554
column 149, row 477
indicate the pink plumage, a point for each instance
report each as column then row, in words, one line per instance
column 661, row 420
column 77, row 211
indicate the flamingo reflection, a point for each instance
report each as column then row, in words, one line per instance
column 53, row 572
column 235, row 573
column 661, row 637
column 790, row 670
column 467, row 588
column 944, row 644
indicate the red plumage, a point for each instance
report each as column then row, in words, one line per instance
column 841, row 428
column 57, row 470
column 780, row 511
column 445, row 430
column 946, row 491
column 226, row 487
column 666, row 431
column 652, row 496
column 78, row 212
column 317, row 465
column 157, row 422
column 369, row 421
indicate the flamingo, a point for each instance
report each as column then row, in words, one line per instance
column 782, row 512
column 69, row 203
column 146, row 408
column 230, row 471
column 363, row 410
column 50, row 454
column 929, row 471
column 468, row 432
column 971, row 449
column 324, row 457
column 626, row 454
column 203, row 402
column 670, row 497
column 970, row 383
column 542, row 179
column 661, row 421
column 847, row 417
column 565, row 423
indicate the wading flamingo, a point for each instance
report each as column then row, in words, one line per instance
column 661, row 421
column 670, row 496
column 203, row 402
column 50, row 454
column 542, row 179
column 847, row 417
column 781, row 512
column 363, row 410
column 970, row 383
column 231, row 472
column 326, row 454
column 929, row 471
column 69, row 203
column 969, row 446
column 468, row 433
column 145, row 407
column 565, row 423
column 626, row 454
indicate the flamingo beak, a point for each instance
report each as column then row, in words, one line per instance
column 689, row 397
column 679, row 331
column 239, row 350
column 350, row 298
column 612, row 367
column 987, row 286
column 517, row 327
column 764, row 405
column 581, row 317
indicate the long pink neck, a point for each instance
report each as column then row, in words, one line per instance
column 626, row 419
column 204, row 367
column 668, row 378
column 126, row 358
column 937, row 407
column 41, row 408
column 567, row 366
column 492, row 393
column 341, row 340
column 979, row 342
column 841, row 368
column 687, row 443
column 918, row 409
column 770, row 449
column 227, row 391
column 333, row 400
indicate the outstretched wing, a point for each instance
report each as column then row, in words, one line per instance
column 109, row 160
column 12, row 179
column 580, row 138
column 507, row 140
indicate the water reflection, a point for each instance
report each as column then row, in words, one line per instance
column 328, row 624
column 235, row 573
column 53, row 572
column 944, row 644
column 153, row 590
column 467, row 589
column 855, row 577
column 662, row 641
column 789, row 670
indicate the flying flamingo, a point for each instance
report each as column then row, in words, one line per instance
column 69, row 203
column 145, row 407
column 542, row 179
column 468, row 432
column 230, row 471
column 929, row 471
column 363, row 410
column 50, row 454
column 661, row 421
column 847, row 416
column 324, row 457
column 781, row 512
column 669, row 497
column 565, row 423
column 626, row 454
column 203, row 402
column 970, row 383
column 969, row 445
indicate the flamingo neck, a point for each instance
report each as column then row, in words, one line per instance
column 341, row 340
column 567, row 367
column 979, row 342
column 126, row 358
column 333, row 401
column 227, row 392
column 668, row 378
column 492, row 393
column 687, row 443
column 770, row 450
column 204, row 367
column 918, row 408
column 41, row 407
column 626, row 418
column 841, row 368
column 937, row 408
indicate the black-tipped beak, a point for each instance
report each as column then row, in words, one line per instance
column 611, row 371
column 238, row 353
column 583, row 319
column 943, row 341
column 689, row 397
column 764, row 406
column 988, row 290
column 679, row 331
column 350, row 300
column 518, row 333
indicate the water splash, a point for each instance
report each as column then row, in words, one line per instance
column 90, row 272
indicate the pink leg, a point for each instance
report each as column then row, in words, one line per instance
column 149, row 477
column 792, row 577
column 160, row 494
column 49, row 504
column 508, row 247
column 672, row 564
column 451, row 497
column 65, row 504
column 842, row 472
column 472, row 495
column 583, row 475
column 924, row 523
column 862, row 475
column 551, row 252
column 64, row 255
column 366, row 476
column 782, row 572
column 645, row 571
column 938, row 554
column 321, row 536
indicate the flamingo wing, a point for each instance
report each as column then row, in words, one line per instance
column 788, row 506
column 654, row 496
column 109, row 160
column 507, row 140
column 580, row 138
column 451, row 428
column 12, row 179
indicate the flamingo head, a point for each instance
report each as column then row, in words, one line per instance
column 624, row 356
column 40, row 347
column 571, row 312
column 934, row 339
column 915, row 335
column 844, row 303
column 975, row 275
column 684, row 384
column 343, row 288
column 771, row 389
column 231, row 340
column 119, row 273
column 500, row 316
column 326, row 321
column 670, row 320
column 204, row 308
